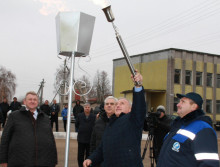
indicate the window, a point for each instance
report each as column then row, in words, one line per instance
column 217, row 106
column 188, row 77
column 209, row 79
column 177, row 76
column 176, row 101
column 209, row 106
column 218, row 81
column 198, row 78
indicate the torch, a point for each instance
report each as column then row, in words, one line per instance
column 110, row 17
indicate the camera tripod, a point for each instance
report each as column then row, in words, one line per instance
column 150, row 142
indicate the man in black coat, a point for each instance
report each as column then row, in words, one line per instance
column 45, row 107
column 84, row 123
column 15, row 105
column 76, row 110
column 158, row 124
column 102, row 122
column 1, row 117
column 54, row 110
column 5, row 108
column 121, row 141
column 27, row 139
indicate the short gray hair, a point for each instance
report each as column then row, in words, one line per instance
column 87, row 104
column 129, row 102
column 110, row 97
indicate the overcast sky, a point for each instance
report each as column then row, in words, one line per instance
column 28, row 45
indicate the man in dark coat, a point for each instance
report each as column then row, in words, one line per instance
column 76, row 110
column 45, row 107
column 84, row 123
column 102, row 122
column 54, row 110
column 121, row 141
column 27, row 139
column 5, row 108
column 159, row 129
column 1, row 117
column 191, row 141
column 15, row 105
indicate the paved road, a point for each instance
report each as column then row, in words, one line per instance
column 73, row 150
column 60, row 143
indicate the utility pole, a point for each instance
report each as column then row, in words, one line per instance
column 40, row 92
column 63, row 86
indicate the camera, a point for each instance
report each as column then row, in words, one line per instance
column 151, row 121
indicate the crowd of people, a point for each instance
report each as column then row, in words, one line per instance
column 111, row 136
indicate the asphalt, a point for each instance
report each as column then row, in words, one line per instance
column 61, row 144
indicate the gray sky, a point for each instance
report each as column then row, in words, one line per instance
column 28, row 34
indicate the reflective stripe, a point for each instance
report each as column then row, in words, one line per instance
column 202, row 156
column 186, row 133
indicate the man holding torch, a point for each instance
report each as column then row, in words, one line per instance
column 120, row 146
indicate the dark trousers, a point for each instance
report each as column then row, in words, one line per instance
column 83, row 153
column 56, row 122
column 4, row 119
column 76, row 129
column 64, row 125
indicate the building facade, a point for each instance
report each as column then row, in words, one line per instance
column 170, row 71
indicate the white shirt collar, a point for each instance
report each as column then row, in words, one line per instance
column 35, row 113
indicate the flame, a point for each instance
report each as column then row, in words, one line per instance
column 102, row 3
column 52, row 6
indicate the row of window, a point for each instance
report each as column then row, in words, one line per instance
column 208, row 106
column 199, row 75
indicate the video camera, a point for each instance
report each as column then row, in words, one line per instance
column 151, row 120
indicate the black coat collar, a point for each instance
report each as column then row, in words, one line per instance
column 24, row 111
column 113, row 118
column 194, row 115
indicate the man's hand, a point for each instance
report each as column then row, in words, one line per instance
column 87, row 163
column 4, row 165
column 137, row 78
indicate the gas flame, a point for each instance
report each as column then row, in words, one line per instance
column 102, row 3
column 52, row 6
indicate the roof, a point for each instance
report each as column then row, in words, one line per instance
column 169, row 49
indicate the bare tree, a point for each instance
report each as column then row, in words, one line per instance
column 62, row 78
column 81, row 86
column 84, row 86
column 102, row 85
column 7, row 83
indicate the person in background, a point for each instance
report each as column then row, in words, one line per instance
column 5, row 108
column 76, row 110
column 15, row 105
column 54, row 109
column 84, row 123
column 64, row 115
column 45, row 108
column 102, row 121
column 1, row 117
column 191, row 141
column 27, row 139
column 160, row 129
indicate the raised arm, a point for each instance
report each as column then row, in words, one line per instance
column 138, row 111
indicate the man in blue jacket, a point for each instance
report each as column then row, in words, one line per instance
column 120, row 146
column 191, row 141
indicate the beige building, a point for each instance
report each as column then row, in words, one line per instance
column 170, row 71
